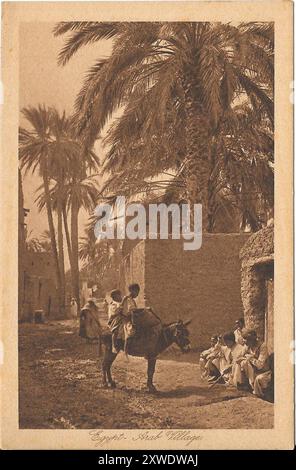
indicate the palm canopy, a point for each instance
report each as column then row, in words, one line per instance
column 84, row 191
column 180, row 86
column 41, row 244
column 155, row 58
column 96, row 256
column 47, row 141
column 51, row 140
column 242, row 168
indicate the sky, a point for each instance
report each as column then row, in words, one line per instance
column 42, row 81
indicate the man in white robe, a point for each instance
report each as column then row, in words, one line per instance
column 208, row 355
column 238, row 332
column 256, row 364
column 226, row 362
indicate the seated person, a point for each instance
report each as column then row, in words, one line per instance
column 256, row 364
column 225, row 364
column 208, row 354
column 129, row 302
column 115, row 318
column 238, row 332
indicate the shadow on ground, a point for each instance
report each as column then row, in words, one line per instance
column 60, row 387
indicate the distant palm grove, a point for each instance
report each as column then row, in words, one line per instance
column 187, row 111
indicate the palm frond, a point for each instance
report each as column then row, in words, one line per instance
column 84, row 33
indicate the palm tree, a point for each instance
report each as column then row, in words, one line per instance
column 194, row 70
column 41, row 244
column 61, row 132
column 100, row 258
column 242, row 175
column 44, row 148
column 242, row 167
column 79, row 193
column 73, row 190
column 35, row 154
column 75, row 194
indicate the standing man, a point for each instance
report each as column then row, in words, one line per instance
column 73, row 308
column 90, row 327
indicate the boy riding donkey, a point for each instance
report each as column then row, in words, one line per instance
column 129, row 305
column 115, row 319
column 120, row 312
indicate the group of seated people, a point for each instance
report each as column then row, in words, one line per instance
column 240, row 359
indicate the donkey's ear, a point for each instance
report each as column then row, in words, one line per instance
column 187, row 322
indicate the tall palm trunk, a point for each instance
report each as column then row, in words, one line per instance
column 70, row 255
column 52, row 235
column 211, row 185
column 74, row 243
column 66, row 228
column 61, row 255
column 197, row 168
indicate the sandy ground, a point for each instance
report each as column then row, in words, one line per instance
column 60, row 387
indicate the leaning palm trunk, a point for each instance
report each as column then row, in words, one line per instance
column 52, row 235
column 196, row 165
column 61, row 257
column 75, row 254
column 66, row 228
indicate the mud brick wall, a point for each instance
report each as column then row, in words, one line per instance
column 40, row 293
column 39, row 285
column 132, row 270
column 39, row 264
column 203, row 285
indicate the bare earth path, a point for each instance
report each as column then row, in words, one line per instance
column 60, row 388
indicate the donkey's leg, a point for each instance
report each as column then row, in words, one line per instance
column 150, row 373
column 109, row 376
column 105, row 362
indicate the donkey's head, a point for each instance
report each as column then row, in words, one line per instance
column 181, row 335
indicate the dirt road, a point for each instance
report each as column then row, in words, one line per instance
column 60, row 387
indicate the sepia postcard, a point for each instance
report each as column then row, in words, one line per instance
column 147, row 225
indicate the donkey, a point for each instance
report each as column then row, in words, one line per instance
column 148, row 345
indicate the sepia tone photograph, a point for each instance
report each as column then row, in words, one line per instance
column 146, row 194
column 163, row 113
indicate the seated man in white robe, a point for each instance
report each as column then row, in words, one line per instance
column 226, row 363
column 209, row 354
column 256, row 364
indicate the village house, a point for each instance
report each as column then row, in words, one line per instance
column 257, row 284
column 39, row 286
column 36, row 275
